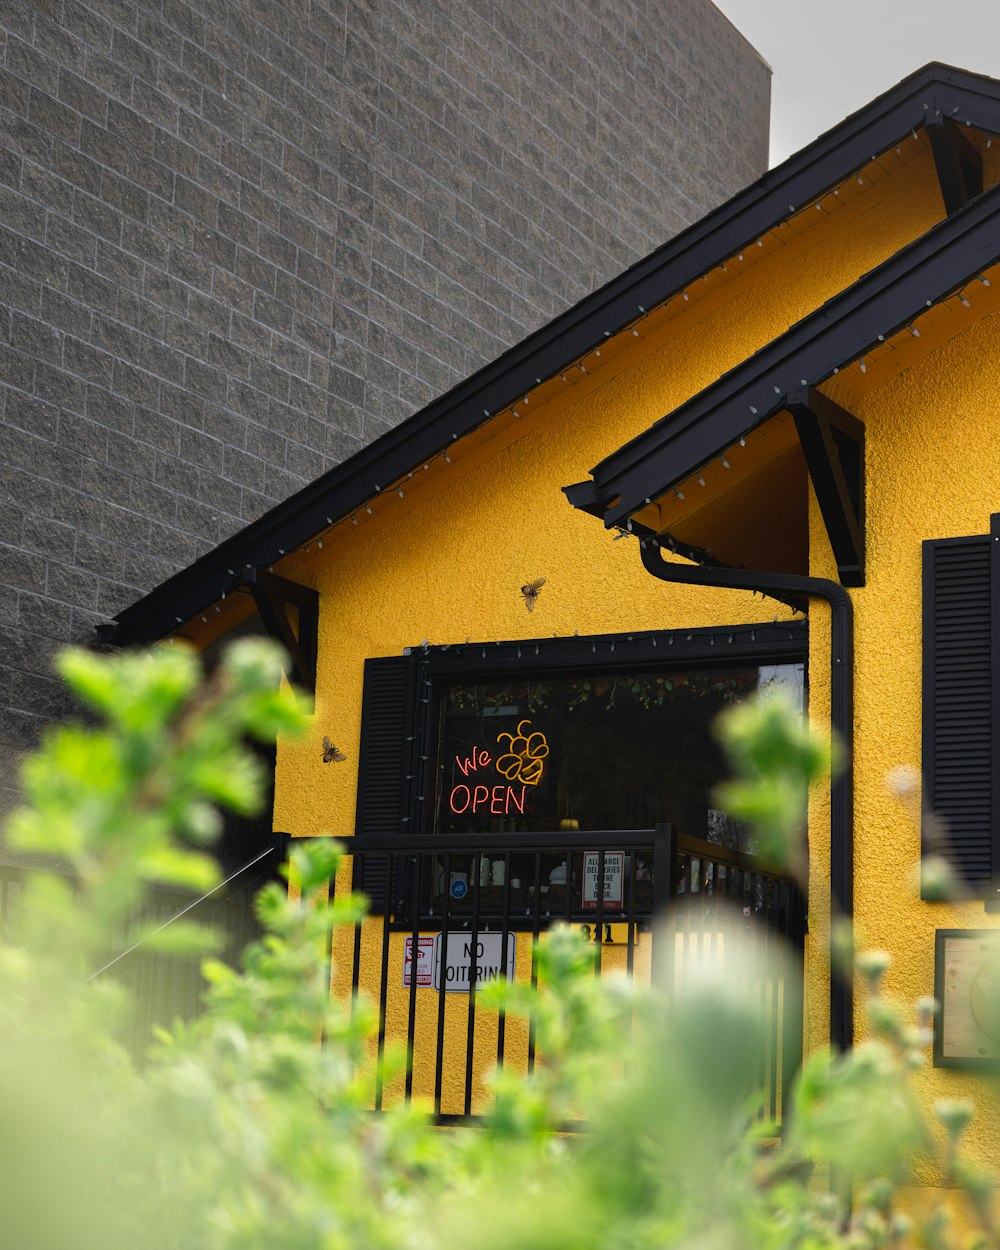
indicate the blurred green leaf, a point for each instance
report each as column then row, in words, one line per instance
column 250, row 1127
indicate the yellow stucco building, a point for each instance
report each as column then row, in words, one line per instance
column 789, row 412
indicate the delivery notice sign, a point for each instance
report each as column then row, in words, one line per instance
column 614, row 876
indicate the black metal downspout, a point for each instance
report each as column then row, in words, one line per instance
column 842, row 726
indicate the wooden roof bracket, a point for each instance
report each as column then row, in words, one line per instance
column 959, row 166
column 272, row 596
column 833, row 443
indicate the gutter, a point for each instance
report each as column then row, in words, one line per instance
column 781, row 585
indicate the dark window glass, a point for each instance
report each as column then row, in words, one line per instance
column 593, row 751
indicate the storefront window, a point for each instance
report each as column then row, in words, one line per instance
column 594, row 751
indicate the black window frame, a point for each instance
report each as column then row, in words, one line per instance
column 429, row 669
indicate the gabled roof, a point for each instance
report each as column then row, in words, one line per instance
column 933, row 93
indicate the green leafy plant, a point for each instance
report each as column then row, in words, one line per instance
column 251, row 1127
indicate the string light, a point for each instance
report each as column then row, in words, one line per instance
column 684, row 296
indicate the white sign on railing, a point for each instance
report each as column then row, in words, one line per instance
column 492, row 959
column 614, row 876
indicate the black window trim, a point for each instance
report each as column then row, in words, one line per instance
column 759, row 643
column 401, row 706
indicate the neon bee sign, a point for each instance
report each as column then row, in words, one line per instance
column 522, row 764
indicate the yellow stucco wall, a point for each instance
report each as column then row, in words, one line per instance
column 933, row 472
column 446, row 563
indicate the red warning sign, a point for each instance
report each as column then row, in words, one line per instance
column 425, row 961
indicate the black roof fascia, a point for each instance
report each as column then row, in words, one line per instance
column 936, row 90
column 882, row 302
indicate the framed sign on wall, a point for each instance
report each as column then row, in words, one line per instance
column 967, row 989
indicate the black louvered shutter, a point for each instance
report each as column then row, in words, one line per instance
column 957, row 704
column 386, row 758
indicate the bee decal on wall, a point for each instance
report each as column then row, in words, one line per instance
column 530, row 592
column 330, row 752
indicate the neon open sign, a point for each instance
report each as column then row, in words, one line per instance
column 497, row 800
column 522, row 762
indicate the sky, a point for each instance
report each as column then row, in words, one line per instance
column 831, row 58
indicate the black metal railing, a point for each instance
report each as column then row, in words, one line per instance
column 458, row 909
column 722, row 895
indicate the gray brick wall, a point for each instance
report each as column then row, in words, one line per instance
column 240, row 238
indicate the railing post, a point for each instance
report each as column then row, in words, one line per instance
column 664, row 877
column 794, row 997
column 282, row 843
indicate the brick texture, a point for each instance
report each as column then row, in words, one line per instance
column 241, row 238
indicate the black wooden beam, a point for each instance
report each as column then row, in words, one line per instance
column 833, row 442
column 959, row 166
column 272, row 595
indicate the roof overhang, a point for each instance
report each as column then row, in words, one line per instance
column 638, row 487
column 932, row 96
